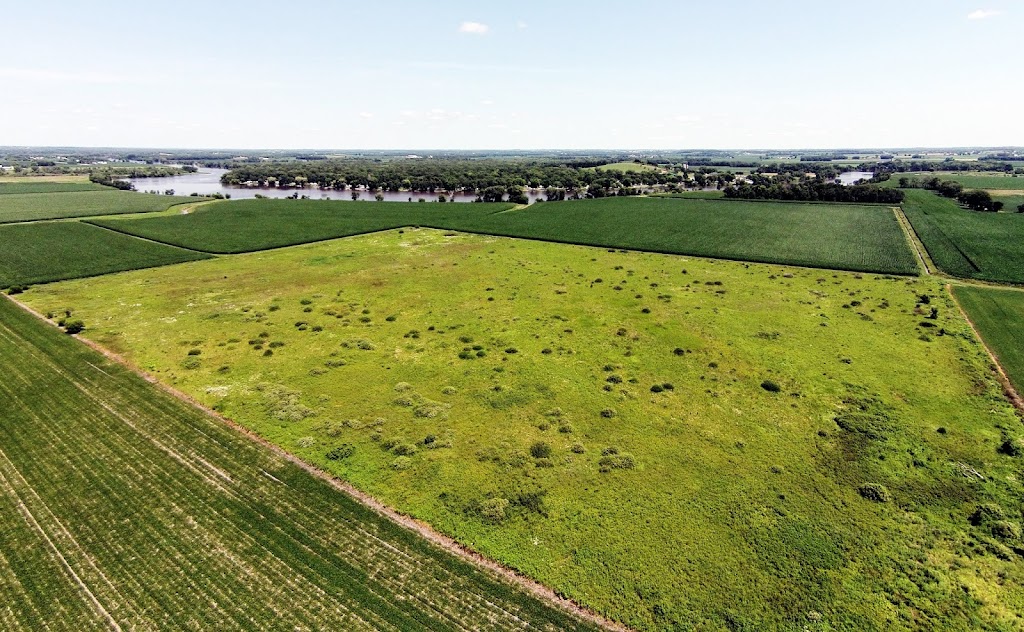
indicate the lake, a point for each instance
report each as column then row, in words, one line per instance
column 851, row 177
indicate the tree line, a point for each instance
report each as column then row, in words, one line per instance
column 974, row 199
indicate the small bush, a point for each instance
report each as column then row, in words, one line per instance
column 770, row 386
column 401, row 463
column 190, row 362
column 511, row 350
column 608, row 413
column 194, row 352
column 610, row 450
column 305, row 442
column 987, row 513
column 401, row 387
column 657, row 388
column 341, row 452
column 617, row 462
column 543, row 463
column 494, row 509
column 392, row 318
column 1012, row 447
column 577, row 448
column 404, row 449
column 613, row 379
column 874, row 492
column 74, row 326
column 540, row 450
column 565, row 429
column 449, row 390
column 1006, row 530
column 306, row 301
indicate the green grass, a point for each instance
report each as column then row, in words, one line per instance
column 832, row 236
column 626, row 167
column 435, row 364
column 9, row 188
column 48, row 251
column 999, row 316
column 696, row 195
column 173, row 521
column 23, row 207
column 966, row 243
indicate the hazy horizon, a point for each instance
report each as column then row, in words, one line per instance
column 530, row 76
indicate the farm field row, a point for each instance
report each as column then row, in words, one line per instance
column 49, row 201
column 28, row 186
column 126, row 508
column 999, row 316
column 39, row 252
column 830, row 236
column 675, row 442
column 969, row 244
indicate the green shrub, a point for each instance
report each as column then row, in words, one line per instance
column 189, row 363
column 194, row 352
column 657, row 388
column 401, row 463
column 987, row 513
column 874, row 492
column 341, row 452
column 1006, row 530
column 1012, row 447
column 608, row 413
column 76, row 327
column 494, row 509
column 770, row 386
column 540, row 450
column 577, row 448
column 542, row 463
column 611, row 462
column 404, row 449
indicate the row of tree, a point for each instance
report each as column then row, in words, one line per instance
column 974, row 199
column 441, row 175
column 814, row 191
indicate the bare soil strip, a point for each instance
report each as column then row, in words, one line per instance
column 915, row 242
column 420, row 528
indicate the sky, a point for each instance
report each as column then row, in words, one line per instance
column 672, row 74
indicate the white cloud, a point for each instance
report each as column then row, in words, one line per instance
column 521, row 25
column 55, row 76
column 982, row 14
column 474, row 28
column 487, row 102
column 366, row 115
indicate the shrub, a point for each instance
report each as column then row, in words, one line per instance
column 511, row 350
column 305, row 442
column 608, row 413
column 610, row 450
column 494, row 509
column 429, row 439
column 401, row 387
column 449, row 390
column 306, row 301
column 984, row 514
column 190, row 362
column 75, row 327
column 343, row 451
column 1006, row 530
column 1012, row 447
column 770, row 386
column 194, row 352
column 616, row 462
column 540, row 450
column 577, row 448
column 401, row 463
column 668, row 386
column 657, row 388
column 874, row 492
column 404, row 449
column 565, row 429
column 613, row 379
column 543, row 463
column 391, row 318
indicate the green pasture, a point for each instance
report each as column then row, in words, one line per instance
column 679, row 443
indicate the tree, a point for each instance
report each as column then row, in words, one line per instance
column 1020, row 208
column 379, row 196
column 355, row 194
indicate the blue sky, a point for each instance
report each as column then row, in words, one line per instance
column 476, row 75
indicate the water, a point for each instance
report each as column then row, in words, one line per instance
column 207, row 182
column 851, row 177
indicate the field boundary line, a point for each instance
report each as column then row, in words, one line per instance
column 1008, row 389
column 496, row 570
column 915, row 242
column 31, row 519
column 85, row 220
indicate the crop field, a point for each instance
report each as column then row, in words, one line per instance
column 969, row 180
column 833, row 236
column 23, row 207
column 125, row 508
column 48, row 251
column 967, row 243
column 9, row 188
column 999, row 316
column 675, row 442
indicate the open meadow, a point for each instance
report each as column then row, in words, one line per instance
column 675, row 442
column 22, row 202
column 38, row 252
column 126, row 508
column 970, row 180
column 966, row 243
column 865, row 238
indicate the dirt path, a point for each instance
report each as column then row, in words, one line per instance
column 1008, row 389
column 915, row 242
column 500, row 572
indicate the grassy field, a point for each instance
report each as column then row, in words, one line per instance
column 965, row 243
column 123, row 506
column 676, row 442
column 10, row 188
column 831, row 236
column 999, row 316
column 48, row 251
column 696, row 195
column 23, row 207
column 25, row 179
column 626, row 167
